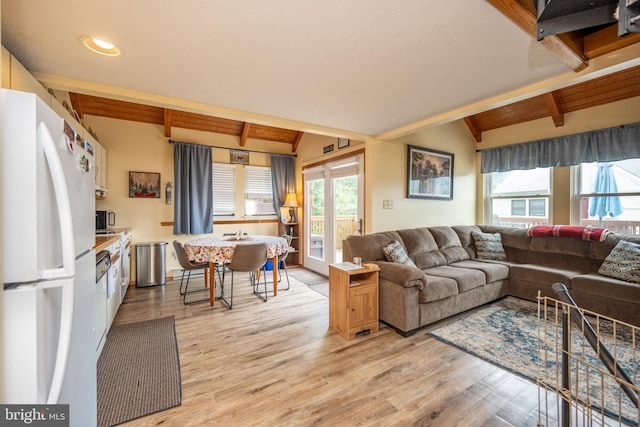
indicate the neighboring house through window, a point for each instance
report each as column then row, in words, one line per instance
column 518, row 198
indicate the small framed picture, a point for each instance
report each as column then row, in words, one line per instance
column 429, row 174
column 239, row 157
column 144, row 185
column 343, row 142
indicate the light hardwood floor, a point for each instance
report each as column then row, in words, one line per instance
column 278, row 364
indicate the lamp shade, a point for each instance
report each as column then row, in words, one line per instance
column 291, row 201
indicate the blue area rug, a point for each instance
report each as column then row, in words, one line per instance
column 506, row 333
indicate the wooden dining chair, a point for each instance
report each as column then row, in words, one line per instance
column 249, row 258
column 189, row 266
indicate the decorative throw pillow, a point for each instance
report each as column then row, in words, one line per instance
column 395, row 252
column 489, row 246
column 623, row 262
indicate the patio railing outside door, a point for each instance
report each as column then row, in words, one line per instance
column 345, row 226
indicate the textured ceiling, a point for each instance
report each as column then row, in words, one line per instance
column 367, row 67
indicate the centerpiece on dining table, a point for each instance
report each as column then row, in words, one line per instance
column 239, row 236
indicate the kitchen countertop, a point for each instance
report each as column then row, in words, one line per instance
column 102, row 242
column 105, row 240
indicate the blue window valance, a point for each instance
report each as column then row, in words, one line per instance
column 604, row 145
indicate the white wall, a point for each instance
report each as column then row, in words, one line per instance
column 387, row 172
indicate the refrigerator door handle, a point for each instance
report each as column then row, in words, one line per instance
column 64, row 338
column 64, row 206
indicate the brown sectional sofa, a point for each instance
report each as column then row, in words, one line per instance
column 449, row 279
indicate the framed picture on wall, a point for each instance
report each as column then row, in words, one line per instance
column 429, row 174
column 238, row 157
column 343, row 142
column 144, row 185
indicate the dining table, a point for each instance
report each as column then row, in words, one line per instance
column 219, row 250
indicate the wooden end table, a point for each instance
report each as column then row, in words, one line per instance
column 353, row 299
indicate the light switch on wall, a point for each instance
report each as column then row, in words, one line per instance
column 387, row 204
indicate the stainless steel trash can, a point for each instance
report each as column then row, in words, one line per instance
column 150, row 264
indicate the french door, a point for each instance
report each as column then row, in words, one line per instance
column 334, row 207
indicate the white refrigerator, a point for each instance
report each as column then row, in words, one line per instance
column 49, row 265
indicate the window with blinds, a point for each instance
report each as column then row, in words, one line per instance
column 258, row 191
column 224, row 189
column 518, row 198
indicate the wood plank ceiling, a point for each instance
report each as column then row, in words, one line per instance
column 575, row 49
column 123, row 110
column 610, row 88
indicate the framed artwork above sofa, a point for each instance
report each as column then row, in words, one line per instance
column 429, row 174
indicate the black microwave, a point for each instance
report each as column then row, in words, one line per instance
column 105, row 219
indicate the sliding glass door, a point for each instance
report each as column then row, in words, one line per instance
column 334, row 206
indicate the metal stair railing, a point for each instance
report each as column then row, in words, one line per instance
column 604, row 355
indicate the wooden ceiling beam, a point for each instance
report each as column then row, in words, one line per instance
column 245, row 133
column 568, row 53
column 607, row 41
column 473, row 127
column 167, row 123
column 75, row 104
column 555, row 108
column 296, row 141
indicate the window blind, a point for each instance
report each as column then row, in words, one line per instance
column 224, row 189
column 258, row 189
column 257, row 182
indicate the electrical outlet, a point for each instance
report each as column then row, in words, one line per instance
column 387, row 204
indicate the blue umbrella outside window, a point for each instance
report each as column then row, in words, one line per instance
column 605, row 182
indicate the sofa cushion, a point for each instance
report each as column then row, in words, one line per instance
column 368, row 246
column 515, row 241
column 600, row 250
column 489, row 246
column 422, row 247
column 395, row 252
column 464, row 234
column 466, row 278
column 533, row 273
column 493, row 271
column 605, row 287
column 439, row 288
column 449, row 244
column 623, row 262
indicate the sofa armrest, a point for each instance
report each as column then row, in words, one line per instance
column 401, row 274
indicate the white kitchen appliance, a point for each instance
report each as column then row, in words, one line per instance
column 49, row 265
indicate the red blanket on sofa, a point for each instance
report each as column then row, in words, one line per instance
column 579, row 232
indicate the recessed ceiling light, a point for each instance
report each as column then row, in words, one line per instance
column 102, row 47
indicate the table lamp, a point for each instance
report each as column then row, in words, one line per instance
column 291, row 202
